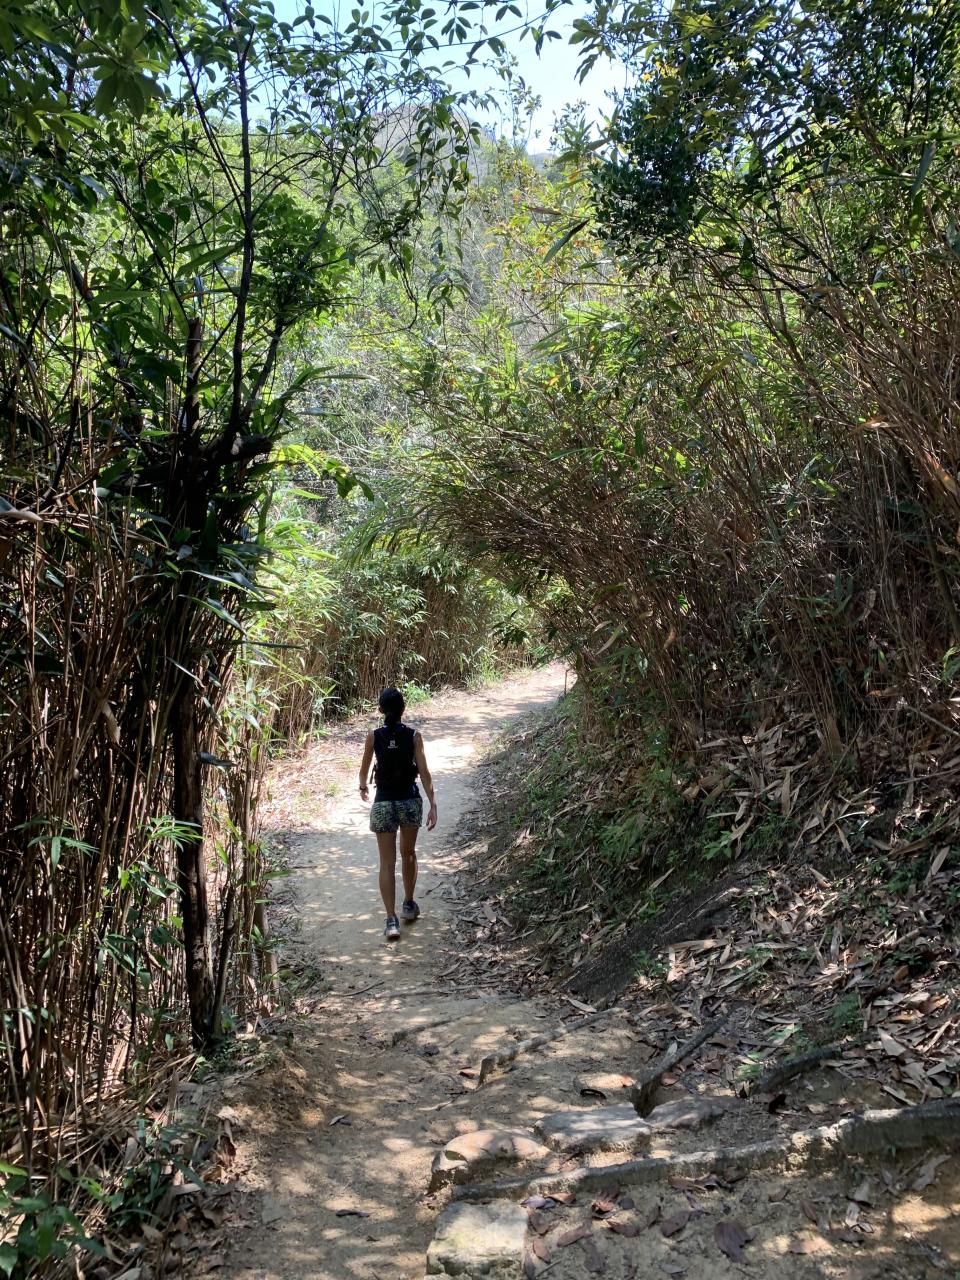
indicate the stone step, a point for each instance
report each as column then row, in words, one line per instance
column 476, row 1154
column 619, row 1128
column 479, row 1240
column 594, row 1129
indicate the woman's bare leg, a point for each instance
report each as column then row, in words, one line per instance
column 408, row 860
column 387, row 845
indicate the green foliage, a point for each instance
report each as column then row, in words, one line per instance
column 64, row 65
column 692, row 419
column 608, row 817
column 45, row 1232
column 846, row 1016
column 300, row 268
column 41, row 1231
column 715, row 447
column 647, row 966
column 735, row 105
column 188, row 194
column 403, row 614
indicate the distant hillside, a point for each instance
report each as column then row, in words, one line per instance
column 397, row 128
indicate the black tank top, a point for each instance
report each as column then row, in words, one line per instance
column 396, row 770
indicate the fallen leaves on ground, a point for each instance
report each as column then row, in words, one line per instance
column 864, row 1192
column 592, row 1257
column 928, row 1173
column 606, row 1202
column 652, row 1216
column 541, row 1249
column 573, row 1235
column 866, row 948
column 809, row 1211
column 673, row 1225
column 730, row 1237
column 537, row 1202
column 622, row 1228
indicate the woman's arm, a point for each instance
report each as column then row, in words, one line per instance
column 365, row 766
column 425, row 778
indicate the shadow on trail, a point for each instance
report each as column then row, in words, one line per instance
column 308, row 1179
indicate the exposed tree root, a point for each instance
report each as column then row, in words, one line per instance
column 641, row 1095
column 501, row 1057
column 790, row 1068
column 930, row 1124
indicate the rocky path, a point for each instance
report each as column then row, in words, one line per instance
column 380, row 1144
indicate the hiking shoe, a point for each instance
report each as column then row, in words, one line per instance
column 392, row 931
column 410, row 911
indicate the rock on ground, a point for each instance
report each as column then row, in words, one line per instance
column 603, row 1083
column 594, row 1129
column 470, row 1155
column 686, row 1113
column 479, row 1240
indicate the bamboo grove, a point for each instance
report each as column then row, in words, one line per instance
column 184, row 190
column 719, row 410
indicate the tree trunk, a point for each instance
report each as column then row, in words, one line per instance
column 269, row 961
column 192, row 864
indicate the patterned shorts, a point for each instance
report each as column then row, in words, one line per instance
column 390, row 815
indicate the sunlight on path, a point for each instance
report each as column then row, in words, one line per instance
column 300, row 1168
column 341, row 913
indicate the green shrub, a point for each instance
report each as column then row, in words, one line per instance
column 347, row 625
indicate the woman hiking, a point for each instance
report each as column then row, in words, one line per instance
column 397, row 804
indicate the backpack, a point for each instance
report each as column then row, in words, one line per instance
column 396, row 767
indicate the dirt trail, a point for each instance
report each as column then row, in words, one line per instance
column 340, row 910
column 299, row 1168
column 335, row 1135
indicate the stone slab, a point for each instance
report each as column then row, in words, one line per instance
column 594, row 1129
column 494, row 1144
column 470, row 1155
column 685, row 1113
column 474, row 1240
